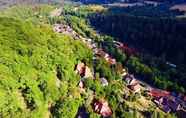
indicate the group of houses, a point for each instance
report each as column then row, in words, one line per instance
column 167, row 101
column 163, row 99
column 125, row 48
column 85, row 72
column 65, row 29
column 132, row 83
column 106, row 56
column 99, row 106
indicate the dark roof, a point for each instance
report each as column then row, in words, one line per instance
column 173, row 105
column 166, row 108
column 82, row 113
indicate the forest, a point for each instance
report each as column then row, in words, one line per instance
column 146, row 34
column 38, row 76
column 157, row 38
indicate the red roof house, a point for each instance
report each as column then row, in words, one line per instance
column 159, row 93
column 83, row 70
column 101, row 107
column 135, row 88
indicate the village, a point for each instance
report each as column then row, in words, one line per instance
column 80, row 60
column 164, row 100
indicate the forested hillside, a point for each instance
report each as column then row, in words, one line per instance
column 161, row 37
column 31, row 56
column 53, row 64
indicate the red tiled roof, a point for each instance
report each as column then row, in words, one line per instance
column 135, row 87
column 80, row 68
column 101, row 107
column 128, row 50
column 111, row 61
column 159, row 93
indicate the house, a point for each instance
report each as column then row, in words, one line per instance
column 129, row 51
column 101, row 53
column 159, row 93
column 65, row 29
column 166, row 109
column 130, row 79
column 83, row 70
column 118, row 44
column 171, row 65
column 160, row 101
column 80, row 69
column 109, row 59
column 82, row 113
column 106, row 56
column 104, row 81
column 127, row 80
column 101, row 107
column 132, row 83
column 124, row 72
column 167, row 104
column 89, row 40
column 81, row 86
column 174, row 105
column 57, row 28
column 95, row 50
column 94, row 45
column 135, row 87
column 112, row 61
column 88, row 73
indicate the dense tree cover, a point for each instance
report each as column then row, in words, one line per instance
column 29, row 57
column 125, row 1
column 161, row 37
column 156, row 77
column 35, row 14
column 162, row 10
column 37, row 70
column 76, row 16
column 149, row 69
column 147, row 33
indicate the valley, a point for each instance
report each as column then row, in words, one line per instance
column 91, row 61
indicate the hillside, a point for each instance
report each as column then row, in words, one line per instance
column 158, row 36
column 55, row 65
column 30, row 57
